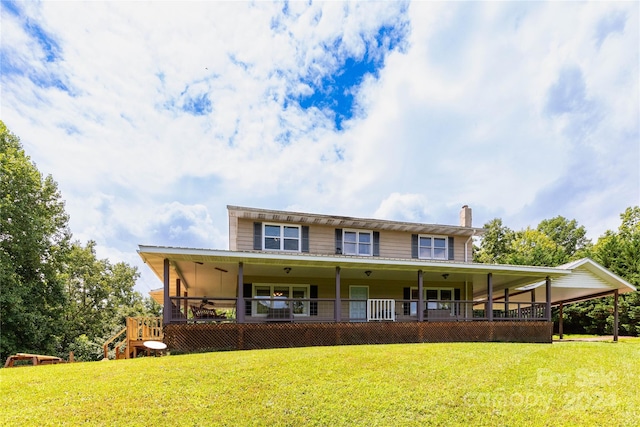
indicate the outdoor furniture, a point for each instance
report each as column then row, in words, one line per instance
column 203, row 313
column 36, row 359
column 155, row 346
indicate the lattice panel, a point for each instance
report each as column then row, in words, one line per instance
column 230, row 336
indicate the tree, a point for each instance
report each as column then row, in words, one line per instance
column 555, row 241
column 497, row 243
column 619, row 252
column 99, row 297
column 34, row 237
column 568, row 236
column 533, row 247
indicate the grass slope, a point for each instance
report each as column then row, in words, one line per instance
column 416, row 384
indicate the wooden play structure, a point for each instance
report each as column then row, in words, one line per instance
column 130, row 340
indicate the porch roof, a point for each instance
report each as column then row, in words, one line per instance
column 197, row 266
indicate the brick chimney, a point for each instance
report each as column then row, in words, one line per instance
column 465, row 216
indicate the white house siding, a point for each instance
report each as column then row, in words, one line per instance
column 581, row 279
column 393, row 244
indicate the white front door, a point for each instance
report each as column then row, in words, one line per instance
column 358, row 309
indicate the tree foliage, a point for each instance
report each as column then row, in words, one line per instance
column 34, row 237
column 557, row 241
column 55, row 296
column 100, row 296
column 497, row 243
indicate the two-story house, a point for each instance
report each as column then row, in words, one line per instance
column 335, row 279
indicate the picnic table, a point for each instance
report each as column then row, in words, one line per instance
column 36, row 359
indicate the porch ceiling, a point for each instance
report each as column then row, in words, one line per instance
column 201, row 270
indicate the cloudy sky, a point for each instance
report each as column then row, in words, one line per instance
column 153, row 116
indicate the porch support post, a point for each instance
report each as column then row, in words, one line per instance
column 166, row 309
column 420, row 296
column 506, row 303
column 338, row 304
column 560, row 331
column 615, row 315
column 490, row 297
column 240, row 300
column 547, row 307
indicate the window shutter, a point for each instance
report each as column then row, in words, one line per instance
column 257, row 236
column 451, row 248
column 406, row 306
column 313, row 305
column 414, row 246
column 305, row 238
column 338, row 241
column 247, row 293
column 456, row 295
column 376, row 243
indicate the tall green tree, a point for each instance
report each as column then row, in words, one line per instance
column 533, row 247
column 34, row 237
column 99, row 297
column 496, row 244
column 570, row 238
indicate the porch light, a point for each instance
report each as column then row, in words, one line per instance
column 368, row 273
column 287, row 270
column 445, row 276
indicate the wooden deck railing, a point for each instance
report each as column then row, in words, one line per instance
column 144, row 328
column 136, row 331
column 105, row 346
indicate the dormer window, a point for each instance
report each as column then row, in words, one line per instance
column 280, row 237
column 357, row 242
column 433, row 247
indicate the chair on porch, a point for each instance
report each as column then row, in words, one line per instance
column 206, row 313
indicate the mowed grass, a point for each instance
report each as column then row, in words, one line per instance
column 574, row 383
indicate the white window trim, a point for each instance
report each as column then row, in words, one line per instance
column 358, row 232
column 275, row 224
column 434, row 236
column 439, row 299
column 272, row 286
column 425, row 289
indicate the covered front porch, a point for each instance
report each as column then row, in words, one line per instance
column 254, row 287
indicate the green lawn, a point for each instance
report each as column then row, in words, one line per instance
column 574, row 383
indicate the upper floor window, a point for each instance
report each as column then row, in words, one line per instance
column 356, row 242
column 433, row 247
column 281, row 237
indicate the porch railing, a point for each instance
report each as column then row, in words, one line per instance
column 381, row 310
column 300, row 310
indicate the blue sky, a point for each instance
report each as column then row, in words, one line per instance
column 152, row 117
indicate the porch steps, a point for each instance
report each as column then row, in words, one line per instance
column 129, row 341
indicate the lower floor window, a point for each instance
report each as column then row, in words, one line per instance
column 274, row 296
column 435, row 299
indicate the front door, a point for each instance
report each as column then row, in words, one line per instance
column 358, row 309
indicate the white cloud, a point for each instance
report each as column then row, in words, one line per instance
column 458, row 115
